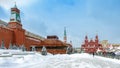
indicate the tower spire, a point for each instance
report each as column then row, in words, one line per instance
column 86, row 39
column 15, row 6
column 65, row 35
column 96, row 37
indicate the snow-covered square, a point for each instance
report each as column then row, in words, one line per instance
column 21, row 59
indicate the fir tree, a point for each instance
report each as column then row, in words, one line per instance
column 33, row 48
column 22, row 47
column 10, row 46
column 2, row 45
column 69, row 50
column 44, row 51
column 14, row 47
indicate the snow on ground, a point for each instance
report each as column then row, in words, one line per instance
column 58, row 61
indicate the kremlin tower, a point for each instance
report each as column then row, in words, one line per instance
column 16, row 26
column 15, row 21
column 65, row 35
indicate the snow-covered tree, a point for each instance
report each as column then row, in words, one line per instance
column 15, row 47
column 10, row 46
column 69, row 50
column 33, row 48
column 2, row 45
column 44, row 51
column 22, row 47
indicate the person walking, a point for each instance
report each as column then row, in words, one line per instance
column 93, row 54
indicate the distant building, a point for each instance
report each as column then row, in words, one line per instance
column 53, row 45
column 105, row 44
column 91, row 46
column 110, row 47
column 115, row 45
column 12, row 32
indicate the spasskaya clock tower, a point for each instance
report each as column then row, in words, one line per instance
column 15, row 21
column 16, row 26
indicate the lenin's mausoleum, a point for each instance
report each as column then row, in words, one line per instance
column 13, row 33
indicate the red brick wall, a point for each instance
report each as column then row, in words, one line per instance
column 14, row 25
column 16, row 36
column 19, row 36
column 56, row 51
column 29, row 41
column 6, row 35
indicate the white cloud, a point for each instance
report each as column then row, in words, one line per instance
column 7, row 4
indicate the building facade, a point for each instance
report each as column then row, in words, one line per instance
column 13, row 33
column 92, row 46
column 110, row 47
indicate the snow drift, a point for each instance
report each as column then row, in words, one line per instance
column 58, row 61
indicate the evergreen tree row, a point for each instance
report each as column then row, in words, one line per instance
column 15, row 47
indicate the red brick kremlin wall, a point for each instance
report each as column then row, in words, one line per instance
column 6, row 35
column 17, row 36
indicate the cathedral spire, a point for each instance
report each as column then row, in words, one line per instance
column 65, row 35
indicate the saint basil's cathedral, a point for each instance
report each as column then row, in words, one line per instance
column 12, row 33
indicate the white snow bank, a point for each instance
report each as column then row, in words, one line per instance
column 58, row 61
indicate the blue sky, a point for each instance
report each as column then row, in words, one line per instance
column 80, row 17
